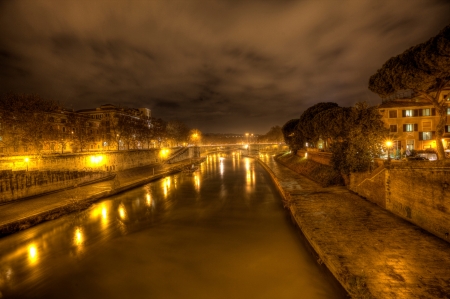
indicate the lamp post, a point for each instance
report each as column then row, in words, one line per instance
column 389, row 144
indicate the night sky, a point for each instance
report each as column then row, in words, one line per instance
column 218, row 65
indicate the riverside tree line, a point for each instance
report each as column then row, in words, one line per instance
column 31, row 124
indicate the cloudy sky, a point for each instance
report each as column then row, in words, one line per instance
column 218, row 65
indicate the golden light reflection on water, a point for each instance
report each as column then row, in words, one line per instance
column 197, row 182
column 148, row 200
column 78, row 238
column 166, row 185
column 122, row 212
column 221, row 167
column 32, row 254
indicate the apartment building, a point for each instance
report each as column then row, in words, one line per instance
column 412, row 121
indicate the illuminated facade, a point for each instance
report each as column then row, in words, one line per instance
column 412, row 122
column 122, row 128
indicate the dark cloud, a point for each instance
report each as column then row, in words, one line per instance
column 218, row 65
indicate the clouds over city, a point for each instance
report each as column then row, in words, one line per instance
column 218, row 65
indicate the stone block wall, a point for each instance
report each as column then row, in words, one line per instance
column 370, row 185
column 421, row 194
column 19, row 184
column 99, row 161
column 417, row 191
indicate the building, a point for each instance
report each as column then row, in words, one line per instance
column 121, row 128
column 412, row 121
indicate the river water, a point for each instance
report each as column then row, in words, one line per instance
column 220, row 232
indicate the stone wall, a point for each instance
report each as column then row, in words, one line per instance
column 20, row 184
column 417, row 191
column 319, row 157
column 421, row 195
column 102, row 161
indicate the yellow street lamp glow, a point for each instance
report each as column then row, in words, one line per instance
column 388, row 143
column 27, row 160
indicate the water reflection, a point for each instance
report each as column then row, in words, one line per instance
column 186, row 236
column 32, row 254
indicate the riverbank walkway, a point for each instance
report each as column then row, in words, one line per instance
column 373, row 253
column 19, row 215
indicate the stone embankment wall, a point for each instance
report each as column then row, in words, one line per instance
column 316, row 156
column 101, row 161
column 20, row 184
column 417, row 191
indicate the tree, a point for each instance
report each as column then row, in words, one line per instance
column 293, row 137
column 177, row 131
column 332, row 124
column 25, row 120
column 79, row 130
column 425, row 69
column 275, row 134
column 359, row 139
column 159, row 130
column 306, row 125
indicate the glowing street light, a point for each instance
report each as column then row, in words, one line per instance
column 389, row 144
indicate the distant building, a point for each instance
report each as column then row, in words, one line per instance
column 412, row 121
column 122, row 128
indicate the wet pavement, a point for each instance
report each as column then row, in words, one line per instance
column 373, row 253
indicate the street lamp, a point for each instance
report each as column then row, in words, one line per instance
column 389, row 144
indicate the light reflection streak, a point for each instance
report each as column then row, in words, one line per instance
column 149, row 200
column 32, row 254
column 197, row 182
column 122, row 212
column 221, row 167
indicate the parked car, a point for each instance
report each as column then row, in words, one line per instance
column 417, row 158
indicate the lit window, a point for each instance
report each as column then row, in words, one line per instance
column 409, row 112
column 448, row 111
column 426, row 135
column 410, row 144
column 426, row 112
column 409, row 127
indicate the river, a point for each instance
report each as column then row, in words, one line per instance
column 220, row 232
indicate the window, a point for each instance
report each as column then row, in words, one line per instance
column 64, row 129
column 393, row 128
column 426, row 136
column 408, row 127
column 448, row 111
column 392, row 113
column 409, row 113
column 410, row 144
column 447, row 129
column 426, row 112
